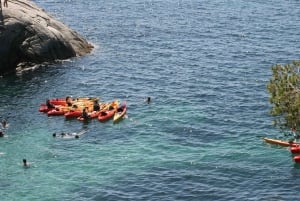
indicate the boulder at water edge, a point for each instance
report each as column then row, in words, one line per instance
column 29, row 36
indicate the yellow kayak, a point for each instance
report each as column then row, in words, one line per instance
column 119, row 114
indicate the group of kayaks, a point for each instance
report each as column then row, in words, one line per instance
column 84, row 108
column 294, row 147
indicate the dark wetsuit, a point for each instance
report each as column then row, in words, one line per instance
column 96, row 107
column 69, row 101
column 85, row 115
column 49, row 105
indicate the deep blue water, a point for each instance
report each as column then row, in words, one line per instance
column 205, row 64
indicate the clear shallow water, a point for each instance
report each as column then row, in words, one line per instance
column 204, row 63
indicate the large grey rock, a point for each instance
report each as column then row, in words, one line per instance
column 28, row 36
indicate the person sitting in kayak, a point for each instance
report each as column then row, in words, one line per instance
column 49, row 104
column 103, row 113
column 121, row 108
column 85, row 114
column 69, row 101
column 96, row 106
column 110, row 108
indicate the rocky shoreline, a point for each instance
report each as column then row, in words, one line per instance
column 30, row 36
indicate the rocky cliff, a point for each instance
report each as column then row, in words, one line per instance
column 29, row 36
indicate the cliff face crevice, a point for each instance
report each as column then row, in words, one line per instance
column 28, row 35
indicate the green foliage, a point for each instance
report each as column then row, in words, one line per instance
column 284, row 89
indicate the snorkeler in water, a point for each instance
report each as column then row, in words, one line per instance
column 69, row 135
column 148, row 100
column 4, row 123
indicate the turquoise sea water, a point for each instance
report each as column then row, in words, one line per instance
column 204, row 63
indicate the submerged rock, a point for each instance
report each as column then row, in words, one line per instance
column 29, row 36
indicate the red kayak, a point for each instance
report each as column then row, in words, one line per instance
column 295, row 150
column 297, row 159
column 94, row 114
column 73, row 114
column 63, row 101
column 54, row 102
column 44, row 108
column 58, row 101
column 55, row 112
column 106, row 115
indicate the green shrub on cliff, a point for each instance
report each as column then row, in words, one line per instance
column 284, row 89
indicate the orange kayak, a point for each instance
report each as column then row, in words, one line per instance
column 281, row 142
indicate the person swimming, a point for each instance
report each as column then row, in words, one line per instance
column 25, row 164
column 4, row 123
column 69, row 135
column 66, row 135
column 49, row 104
